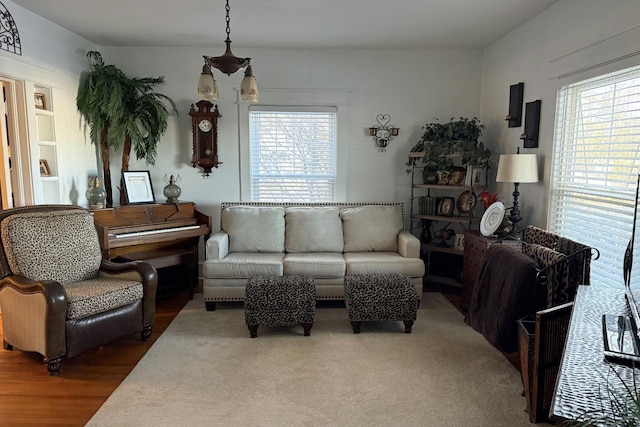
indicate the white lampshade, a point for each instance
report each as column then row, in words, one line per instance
column 517, row 168
column 249, row 87
column 207, row 87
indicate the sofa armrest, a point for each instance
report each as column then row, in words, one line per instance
column 408, row 245
column 217, row 247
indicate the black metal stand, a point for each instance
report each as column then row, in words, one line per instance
column 515, row 217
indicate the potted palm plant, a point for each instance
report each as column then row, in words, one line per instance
column 144, row 122
column 441, row 143
column 121, row 110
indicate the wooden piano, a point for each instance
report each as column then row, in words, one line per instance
column 162, row 234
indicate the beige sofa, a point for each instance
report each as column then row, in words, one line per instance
column 323, row 240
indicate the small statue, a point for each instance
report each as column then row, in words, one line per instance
column 444, row 235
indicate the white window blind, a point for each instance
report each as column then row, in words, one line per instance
column 596, row 160
column 293, row 154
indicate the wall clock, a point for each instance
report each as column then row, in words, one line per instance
column 204, row 126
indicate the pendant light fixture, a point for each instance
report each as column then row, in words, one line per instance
column 228, row 64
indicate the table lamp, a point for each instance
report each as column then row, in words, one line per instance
column 517, row 168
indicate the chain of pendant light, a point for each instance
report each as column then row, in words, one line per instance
column 228, row 20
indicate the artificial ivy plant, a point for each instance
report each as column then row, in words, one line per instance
column 442, row 142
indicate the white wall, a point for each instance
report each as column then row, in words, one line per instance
column 413, row 86
column 54, row 57
column 582, row 38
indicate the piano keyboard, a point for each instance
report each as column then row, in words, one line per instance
column 157, row 231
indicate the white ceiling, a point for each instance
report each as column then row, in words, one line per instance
column 291, row 23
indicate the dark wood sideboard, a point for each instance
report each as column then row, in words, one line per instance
column 475, row 245
column 585, row 376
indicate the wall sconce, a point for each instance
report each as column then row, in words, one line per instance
column 531, row 124
column 384, row 132
column 516, row 93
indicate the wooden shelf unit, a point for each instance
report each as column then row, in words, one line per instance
column 461, row 221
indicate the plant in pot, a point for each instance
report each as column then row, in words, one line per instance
column 443, row 142
column 145, row 121
column 119, row 109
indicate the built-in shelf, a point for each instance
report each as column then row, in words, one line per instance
column 47, row 146
column 44, row 112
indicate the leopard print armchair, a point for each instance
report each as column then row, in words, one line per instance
column 57, row 296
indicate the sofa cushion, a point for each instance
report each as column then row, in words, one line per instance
column 254, row 229
column 244, row 265
column 317, row 229
column 60, row 245
column 99, row 295
column 383, row 263
column 318, row 264
column 371, row 228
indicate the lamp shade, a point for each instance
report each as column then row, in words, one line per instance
column 249, row 86
column 207, row 87
column 517, row 168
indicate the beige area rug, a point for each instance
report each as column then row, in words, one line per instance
column 205, row 371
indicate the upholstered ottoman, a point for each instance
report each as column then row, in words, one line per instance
column 280, row 301
column 380, row 297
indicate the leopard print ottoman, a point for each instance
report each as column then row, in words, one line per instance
column 380, row 297
column 280, row 301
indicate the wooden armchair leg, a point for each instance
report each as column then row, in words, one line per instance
column 53, row 364
column 146, row 333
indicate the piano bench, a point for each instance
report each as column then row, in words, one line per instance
column 168, row 257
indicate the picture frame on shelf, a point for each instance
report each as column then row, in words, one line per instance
column 458, row 243
column 138, row 188
column 468, row 177
column 40, row 100
column 445, row 206
column 44, row 168
column 479, row 176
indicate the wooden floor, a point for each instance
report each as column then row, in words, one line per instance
column 29, row 396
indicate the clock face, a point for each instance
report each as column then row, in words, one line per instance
column 204, row 125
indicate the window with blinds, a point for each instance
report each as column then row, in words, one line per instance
column 293, row 154
column 596, row 160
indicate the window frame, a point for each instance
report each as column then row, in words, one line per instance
column 290, row 117
column 291, row 98
column 617, row 200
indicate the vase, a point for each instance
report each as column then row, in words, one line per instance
column 95, row 194
column 444, row 177
column 172, row 191
column 458, row 175
column 429, row 175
